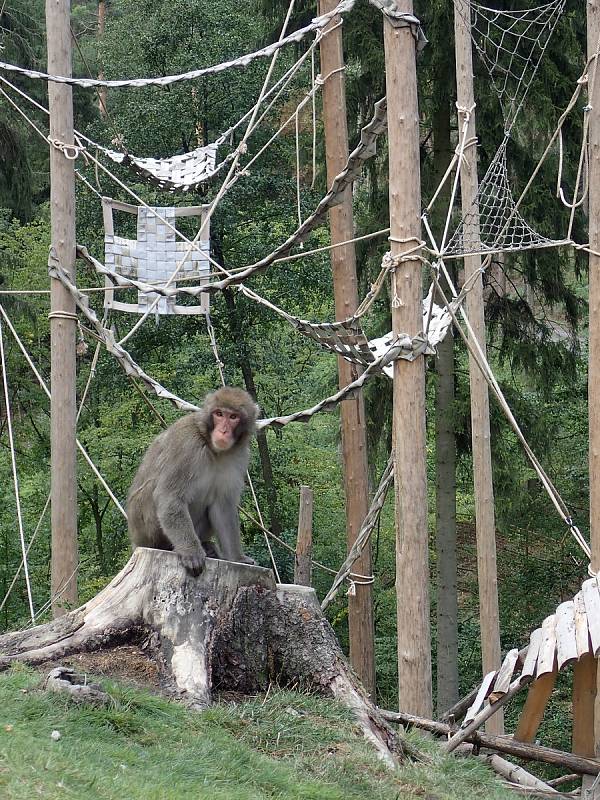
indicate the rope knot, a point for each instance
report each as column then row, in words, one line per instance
column 70, row 151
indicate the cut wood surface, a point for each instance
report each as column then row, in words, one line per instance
column 592, row 607
column 504, row 677
column 479, row 700
column 547, row 654
column 492, row 708
column 584, row 695
column 231, row 628
column 582, row 634
column 531, row 658
column 566, row 642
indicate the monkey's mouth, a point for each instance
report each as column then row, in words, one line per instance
column 222, row 442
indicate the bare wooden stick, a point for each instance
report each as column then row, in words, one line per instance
column 459, row 709
column 480, row 718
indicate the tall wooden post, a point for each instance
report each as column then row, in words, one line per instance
column 303, row 560
column 412, row 551
column 354, row 440
column 63, row 329
column 480, row 409
column 593, row 36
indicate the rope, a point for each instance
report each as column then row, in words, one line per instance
column 241, row 148
column 44, row 387
column 289, row 548
column 15, row 474
column 362, row 538
column 479, row 357
column 23, row 560
column 62, row 315
column 242, row 61
column 365, row 149
column 297, row 130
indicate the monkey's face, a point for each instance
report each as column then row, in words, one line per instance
column 227, row 426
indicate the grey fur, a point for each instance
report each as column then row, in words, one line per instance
column 185, row 493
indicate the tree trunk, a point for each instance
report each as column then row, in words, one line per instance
column 231, row 628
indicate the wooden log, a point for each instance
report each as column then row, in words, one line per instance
column 479, row 700
column 547, row 655
column 584, row 695
column 502, row 744
column 535, row 705
column 231, row 628
column 505, row 673
column 409, row 439
column 566, row 641
column 485, row 523
column 303, row 560
column 582, row 634
column 361, row 628
column 63, row 319
column 517, row 775
column 530, row 663
column 591, row 599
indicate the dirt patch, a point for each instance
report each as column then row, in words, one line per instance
column 127, row 663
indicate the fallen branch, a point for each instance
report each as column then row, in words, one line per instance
column 503, row 744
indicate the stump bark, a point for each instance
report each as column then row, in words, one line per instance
column 231, row 628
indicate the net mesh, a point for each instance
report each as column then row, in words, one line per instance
column 494, row 224
column 511, row 44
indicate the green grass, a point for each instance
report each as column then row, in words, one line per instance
column 286, row 745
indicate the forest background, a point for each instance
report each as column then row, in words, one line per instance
column 535, row 307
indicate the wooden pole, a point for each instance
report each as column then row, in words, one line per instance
column 480, row 411
column 412, row 551
column 531, row 717
column 303, row 563
column 584, row 698
column 593, row 40
column 63, row 327
column 354, row 439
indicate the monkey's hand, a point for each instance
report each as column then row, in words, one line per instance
column 193, row 560
column 248, row 560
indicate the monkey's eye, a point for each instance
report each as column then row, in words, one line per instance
column 234, row 416
column 218, row 412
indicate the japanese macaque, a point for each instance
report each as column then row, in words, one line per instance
column 188, row 486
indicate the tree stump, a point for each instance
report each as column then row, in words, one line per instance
column 231, row 628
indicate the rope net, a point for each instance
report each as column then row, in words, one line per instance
column 494, row 223
column 511, row 44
